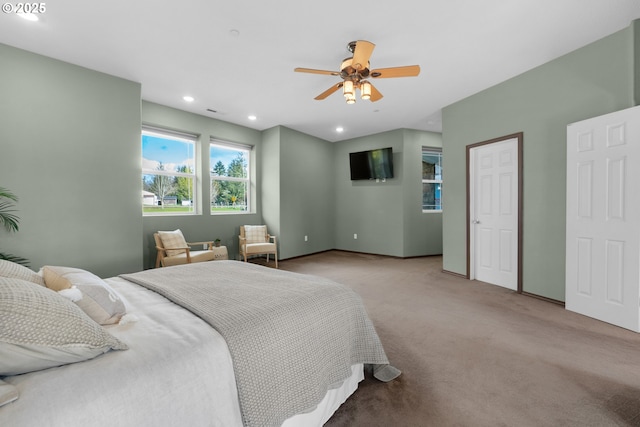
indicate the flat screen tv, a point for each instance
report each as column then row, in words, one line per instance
column 371, row 164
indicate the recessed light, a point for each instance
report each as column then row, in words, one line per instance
column 188, row 98
column 252, row 117
column 28, row 16
column 339, row 129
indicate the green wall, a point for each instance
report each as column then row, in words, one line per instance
column 269, row 181
column 306, row 194
column 386, row 216
column 203, row 226
column 70, row 150
column 591, row 81
column 70, row 140
column 372, row 210
column 422, row 231
column 635, row 28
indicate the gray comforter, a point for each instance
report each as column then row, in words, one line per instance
column 291, row 336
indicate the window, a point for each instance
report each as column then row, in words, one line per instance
column 230, row 177
column 431, row 179
column 168, row 172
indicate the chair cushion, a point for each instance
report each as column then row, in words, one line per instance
column 42, row 329
column 196, row 256
column 255, row 233
column 261, row 248
column 14, row 270
column 99, row 300
column 173, row 239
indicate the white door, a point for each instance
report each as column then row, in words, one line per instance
column 603, row 218
column 494, row 213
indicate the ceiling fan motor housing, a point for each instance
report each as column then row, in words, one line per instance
column 347, row 71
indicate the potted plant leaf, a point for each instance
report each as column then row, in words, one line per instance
column 216, row 243
column 9, row 221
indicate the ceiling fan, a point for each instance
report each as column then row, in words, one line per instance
column 355, row 70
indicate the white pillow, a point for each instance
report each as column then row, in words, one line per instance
column 16, row 271
column 41, row 329
column 172, row 240
column 99, row 300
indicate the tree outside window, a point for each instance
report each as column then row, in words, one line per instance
column 168, row 172
column 230, row 178
column 431, row 179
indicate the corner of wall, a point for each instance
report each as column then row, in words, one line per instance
column 269, row 179
column 635, row 42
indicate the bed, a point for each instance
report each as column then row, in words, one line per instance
column 274, row 358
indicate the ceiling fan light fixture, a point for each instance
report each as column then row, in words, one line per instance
column 365, row 90
column 348, row 90
column 351, row 98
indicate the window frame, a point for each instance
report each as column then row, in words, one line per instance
column 247, row 180
column 176, row 136
column 436, row 151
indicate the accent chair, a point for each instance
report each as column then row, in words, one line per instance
column 255, row 240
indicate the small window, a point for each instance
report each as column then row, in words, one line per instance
column 168, row 172
column 230, row 177
column 431, row 179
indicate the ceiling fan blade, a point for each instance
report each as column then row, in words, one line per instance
column 375, row 94
column 329, row 91
column 312, row 71
column 361, row 54
column 408, row 71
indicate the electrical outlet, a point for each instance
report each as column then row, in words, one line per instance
column 355, row 236
column 306, row 238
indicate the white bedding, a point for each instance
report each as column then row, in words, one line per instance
column 177, row 371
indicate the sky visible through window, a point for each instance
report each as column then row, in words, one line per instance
column 173, row 153
column 223, row 154
column 170, row 152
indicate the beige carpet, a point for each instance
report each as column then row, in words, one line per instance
column 474, row 354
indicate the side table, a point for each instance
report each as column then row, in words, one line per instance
column 220, row 252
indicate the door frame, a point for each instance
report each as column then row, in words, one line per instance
column 519, row 136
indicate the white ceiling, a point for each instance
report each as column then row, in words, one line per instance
column 189, row 47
